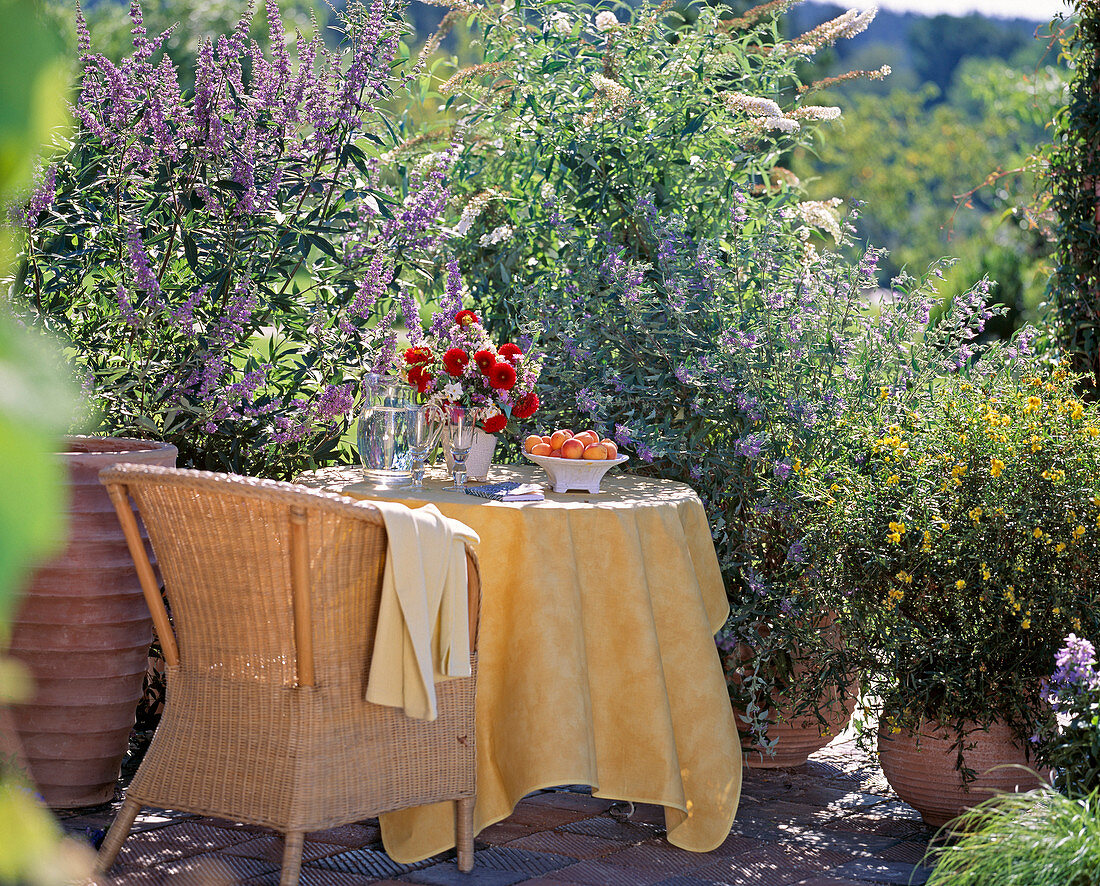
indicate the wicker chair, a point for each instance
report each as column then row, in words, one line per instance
column 274, row 591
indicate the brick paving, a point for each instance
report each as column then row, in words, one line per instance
column 832, row 822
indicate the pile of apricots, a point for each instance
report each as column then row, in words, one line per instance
column 566, row 444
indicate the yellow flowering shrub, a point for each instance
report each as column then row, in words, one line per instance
column 968, row 532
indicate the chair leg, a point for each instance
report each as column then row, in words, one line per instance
column 292, row 858
column 120, row 830
column 464, row 833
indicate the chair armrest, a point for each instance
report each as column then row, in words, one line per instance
column 473, row 594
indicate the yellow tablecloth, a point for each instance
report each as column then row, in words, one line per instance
column 596, row 662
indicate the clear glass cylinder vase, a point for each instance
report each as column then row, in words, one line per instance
column 382, row 434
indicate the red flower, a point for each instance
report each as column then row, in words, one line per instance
column 413, row 356
column 502, row 376
column 455, row 361
column 420, row 377
column 485, row 360
column 466, row 318
column 526, row 406
column 509, row 352
column 494, row 424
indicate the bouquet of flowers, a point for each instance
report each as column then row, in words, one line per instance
column 456, row 364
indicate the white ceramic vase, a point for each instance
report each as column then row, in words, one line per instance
column 480, row 458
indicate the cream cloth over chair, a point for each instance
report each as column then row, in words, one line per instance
column 423, row 631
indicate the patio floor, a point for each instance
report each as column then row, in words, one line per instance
column 833, row 822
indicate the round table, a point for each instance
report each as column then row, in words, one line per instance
column 596, row 658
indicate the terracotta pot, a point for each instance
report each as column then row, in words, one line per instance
column 480, row 458
column 921, row 768
column 84, row 631
column 798, row 737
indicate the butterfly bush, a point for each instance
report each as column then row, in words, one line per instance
column 223, row 264
column 617, row 192
column 1072, row 748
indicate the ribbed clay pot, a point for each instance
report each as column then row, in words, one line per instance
column 84, row 630
column 921, row 768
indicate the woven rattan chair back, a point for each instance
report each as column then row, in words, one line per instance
column 274, row 593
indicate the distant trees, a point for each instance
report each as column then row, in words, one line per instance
column 940, row 44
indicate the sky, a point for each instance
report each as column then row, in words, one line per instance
column 1038, row 10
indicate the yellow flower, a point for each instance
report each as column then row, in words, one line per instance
column 996, row 467
column 1078, row 532
column 985, row 572
column 926, row 545
column 1092, row 431
column 797, row 466
column 1076, row 622
column 975, row 514
column 960, row 584
column 1056, row 610
column 1060, row 547
column 895, row 595
column 904, row 577
column 1035, row 444
column 1033, row 403
column 834, row 488
column 893, row 480
column 1076, row 410
column 1026, row 623
column 883, row 393
column 1037, row 532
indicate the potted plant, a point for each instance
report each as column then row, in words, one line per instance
column 968, row 532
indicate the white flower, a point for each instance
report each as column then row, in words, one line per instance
column 859, row 24
column 452, row 391
column 609, row 90
column 606, row 20
column 782, row 124
column 821, row 214
column 695, row 160
column 561, row 23
column 473, row 209
column 758, row 107
column 497, row 235
column 816, row 112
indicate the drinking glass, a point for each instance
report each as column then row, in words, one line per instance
column 423, row 435
column 460, row 432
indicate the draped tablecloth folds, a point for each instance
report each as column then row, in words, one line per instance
column 597, row 663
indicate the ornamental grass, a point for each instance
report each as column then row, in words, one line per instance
column 1038, row 838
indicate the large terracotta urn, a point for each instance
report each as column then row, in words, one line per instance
column 921, row 768
column 83, row 629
